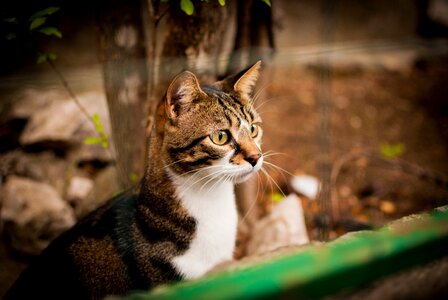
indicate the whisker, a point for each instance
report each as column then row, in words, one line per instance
column 281, row 172
column 273, row 181
column 258, row 93
column 213, row 178
column 173, row 163
column 252, row 205
column 200, row 179
column 280, row 169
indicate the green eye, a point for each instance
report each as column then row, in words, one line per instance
column 219, row 137
column 254, row 130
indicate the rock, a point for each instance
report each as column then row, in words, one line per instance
column 284, row 226
column 306, row 185
column 78, row 189
column 43, row 167
column 33, row 214
column 31, row 100
column 62, row 120
column 105, row 185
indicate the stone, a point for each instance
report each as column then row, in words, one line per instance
column 63, row 121
column 33, row 214
column 42, row 167
column 105, row 185
column 306, row 185
column 78, row 188
column 284, row 226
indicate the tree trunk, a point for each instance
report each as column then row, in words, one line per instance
column 123, row 56
column 254, row 39
column 194, row 42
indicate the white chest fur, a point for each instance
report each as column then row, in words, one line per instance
column 214, row 241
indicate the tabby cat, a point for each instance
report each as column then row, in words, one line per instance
column 181, row 220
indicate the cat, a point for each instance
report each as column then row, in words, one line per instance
column 181, row 220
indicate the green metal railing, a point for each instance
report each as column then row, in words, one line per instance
column 319, row 271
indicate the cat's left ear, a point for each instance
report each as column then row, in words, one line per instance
column 183, row 90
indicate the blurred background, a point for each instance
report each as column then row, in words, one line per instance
column 353, row 96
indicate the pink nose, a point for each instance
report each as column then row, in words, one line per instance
column 253, row 159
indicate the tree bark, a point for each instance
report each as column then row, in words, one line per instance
column 194, row 42
column 123, row 57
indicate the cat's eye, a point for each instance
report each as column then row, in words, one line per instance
column 254, row 130
column 219, row 137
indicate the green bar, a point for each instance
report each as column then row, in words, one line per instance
column 320, row 271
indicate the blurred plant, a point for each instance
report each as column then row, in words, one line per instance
column 390, row 151
column 38, row 23
column 277, row 197
column 102, row 139
column 188, row 7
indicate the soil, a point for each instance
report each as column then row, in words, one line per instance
column 369, row 114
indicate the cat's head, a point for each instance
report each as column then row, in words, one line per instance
column 212, row 132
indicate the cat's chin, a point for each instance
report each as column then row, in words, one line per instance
column 244, row 176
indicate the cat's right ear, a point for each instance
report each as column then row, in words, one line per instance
column 183, row 90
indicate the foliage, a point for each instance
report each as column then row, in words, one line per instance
column 188, row 7
column 44, row 57
column 277, row 197
column 36, row 23
column 133, row 177
column 389, row 151
column 102, row 137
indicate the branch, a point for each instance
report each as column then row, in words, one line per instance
column 398, row 164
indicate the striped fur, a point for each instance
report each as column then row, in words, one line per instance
column 181, row 220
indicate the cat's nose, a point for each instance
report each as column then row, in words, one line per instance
column 253, row 159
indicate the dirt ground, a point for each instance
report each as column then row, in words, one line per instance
column 387, row 134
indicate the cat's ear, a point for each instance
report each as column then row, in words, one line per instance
column 183, row 89
column 244, row 82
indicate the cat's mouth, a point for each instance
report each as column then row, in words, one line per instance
column 248, row 171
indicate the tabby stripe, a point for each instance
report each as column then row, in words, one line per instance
column 242, row 108
column 225, row 106
column 232, row 110
column 156, row 227
column 187, row 147
column 124, row 242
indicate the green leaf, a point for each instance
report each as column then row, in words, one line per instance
column 105, row 144
column 268, row 2
column 11, row 36
column 36, row 23
column 222, row 2
column 187, row 6
column 277, row 197
column 44, row 12
column 41, row 58
column 96, row 119
column 51, row 56
column 51, row 31
column 392, row 150
column 93, row 140
column 133, row 177
column 10, row 20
